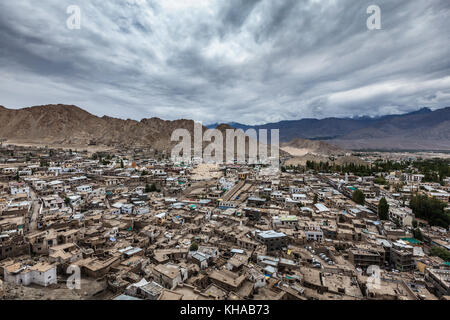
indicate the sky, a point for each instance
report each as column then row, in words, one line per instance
column 248, row 61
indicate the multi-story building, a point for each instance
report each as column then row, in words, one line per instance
column 439, row 280
column 272, row 239
column 364, row 258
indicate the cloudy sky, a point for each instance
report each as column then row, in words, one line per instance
column 250, row 61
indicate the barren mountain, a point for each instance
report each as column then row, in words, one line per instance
column 70, row 125
column 423, row 129
column 300, row 147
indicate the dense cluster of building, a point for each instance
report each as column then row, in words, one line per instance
column 147, row 228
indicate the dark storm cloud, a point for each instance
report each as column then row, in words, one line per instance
column 250, row 61
column 237, row 11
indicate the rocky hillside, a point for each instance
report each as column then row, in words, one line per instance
column 299, row 147
column 70, row 125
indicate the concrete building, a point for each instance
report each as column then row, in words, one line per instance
column 272, row 239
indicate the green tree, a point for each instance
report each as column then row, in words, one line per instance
column 316, row 198
column 358, row 197
column 417, row 234
column 397, row 223
column 383, row 209
column 430, row 209
column 442, row 253
column 193, row 247
column 380, row 180
column 44, row 163
column 151, row 188
column 121, row 164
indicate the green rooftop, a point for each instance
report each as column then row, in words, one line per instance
column 412, row 240
column 289, row 218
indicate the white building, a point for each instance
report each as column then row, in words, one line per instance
column 141, row 209
column 26, row 172
column 55, row 170
column 99, row 192
column 9, row 170
column 314, row 233
column 409, row 177
column 278, row 195
column 56, row 185
column 285, row 221
column 75, row 200
column 127, row 208
column 18, row 188
column 43, row 274
column 321, row 208
column 39, row 184
column 298, row 197
column 84, row 188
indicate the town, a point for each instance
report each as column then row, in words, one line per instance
column 139, row 226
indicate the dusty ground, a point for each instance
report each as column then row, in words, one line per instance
column 206, row 171
column 90, row 289
column 91, row 149
column 296, row 152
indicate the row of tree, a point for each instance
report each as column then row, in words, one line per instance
column 430, row 209
column 151, row 188
column 442, row 253
column 435, row 170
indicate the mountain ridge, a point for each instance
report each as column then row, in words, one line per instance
column 422, row 129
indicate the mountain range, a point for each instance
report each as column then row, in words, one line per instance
column 423, row 129
column 70, row 125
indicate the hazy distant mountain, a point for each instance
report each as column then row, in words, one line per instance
column 422, row 129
